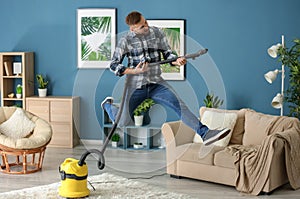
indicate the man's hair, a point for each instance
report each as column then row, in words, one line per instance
column 133, row 18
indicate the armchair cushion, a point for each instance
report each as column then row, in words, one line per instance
column 17, row 126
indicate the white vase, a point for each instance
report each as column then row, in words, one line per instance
column 138, row 120
column 19, row 96
column 42, row 92
column 114, row 144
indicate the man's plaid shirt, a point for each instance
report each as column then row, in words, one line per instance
column 138, row 47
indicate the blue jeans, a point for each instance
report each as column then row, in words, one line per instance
column 163, row 95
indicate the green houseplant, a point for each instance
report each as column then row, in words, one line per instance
column 141, row 109
column 115, row 139
column 290, row 58
column 19, row 91
column 42, row 85
column 212, row 101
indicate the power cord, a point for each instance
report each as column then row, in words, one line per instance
column 147, row 178
column 144, row 178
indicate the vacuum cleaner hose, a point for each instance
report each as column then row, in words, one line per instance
column 101, row 160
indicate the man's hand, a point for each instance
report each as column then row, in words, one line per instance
column 140, row 68
column 180, row 61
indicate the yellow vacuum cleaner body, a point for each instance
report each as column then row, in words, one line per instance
column 73, row 179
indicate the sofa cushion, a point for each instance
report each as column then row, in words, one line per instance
column 224, row 159
column 198, row 153
column 238, row 130
column 257, row 126
column 217, row 120
column 17, row 126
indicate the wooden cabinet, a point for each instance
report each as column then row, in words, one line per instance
column 10, row 63
column 63, row 115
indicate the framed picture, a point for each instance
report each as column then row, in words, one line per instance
column 174, row 31
column 96, row 30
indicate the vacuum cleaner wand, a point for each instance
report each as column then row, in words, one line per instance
column 188, row 56
column 101, row 160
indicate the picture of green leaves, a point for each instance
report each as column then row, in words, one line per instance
column 96, row 33
column 174, row 31
column 95, row 38
column 173, row 36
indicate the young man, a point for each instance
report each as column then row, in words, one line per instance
column 143, row 45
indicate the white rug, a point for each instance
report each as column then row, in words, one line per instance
column 106, row 186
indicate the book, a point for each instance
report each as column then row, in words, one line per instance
column 8, row 68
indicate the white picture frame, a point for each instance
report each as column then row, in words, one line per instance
column 17, row 68
column 172, row 26
column 96, row 37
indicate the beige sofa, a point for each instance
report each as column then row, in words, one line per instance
column 253, row 161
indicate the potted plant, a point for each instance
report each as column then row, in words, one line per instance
column 115, row 139
column 19, row 91
column 212, row 101
column 43, row 83
column 141, row 110
column 290, row 58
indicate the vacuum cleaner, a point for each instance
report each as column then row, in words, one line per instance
column 74, row 172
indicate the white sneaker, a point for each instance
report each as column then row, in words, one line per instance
column 212, row 136
column 109, row 100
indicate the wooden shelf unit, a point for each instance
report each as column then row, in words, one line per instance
column 9, row 81
column 146, row 134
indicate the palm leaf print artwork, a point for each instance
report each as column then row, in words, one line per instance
column 174, row 30
column 173, row 36
column 95, row 38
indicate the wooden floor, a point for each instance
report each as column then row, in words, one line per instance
column 131, row 164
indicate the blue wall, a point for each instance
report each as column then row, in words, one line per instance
column 237, row 34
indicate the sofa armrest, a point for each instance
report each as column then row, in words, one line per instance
column 277, row 171
column 291, row 139
column 265, row 166
column 177, row 133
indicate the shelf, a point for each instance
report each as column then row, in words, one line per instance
column 9, row 80
column 144, row 148
column 12, row 77
column 149, row 135
column 149, row 126
column 13, row 99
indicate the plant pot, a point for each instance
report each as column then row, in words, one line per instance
column 42, row 92
column 19, row 96
column 138, row 120
column 114, row 144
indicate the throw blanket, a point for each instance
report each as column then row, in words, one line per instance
column 253, row 162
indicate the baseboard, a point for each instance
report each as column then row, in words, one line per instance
column 91, row 142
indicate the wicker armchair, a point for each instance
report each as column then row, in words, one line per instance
column 23, row 155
